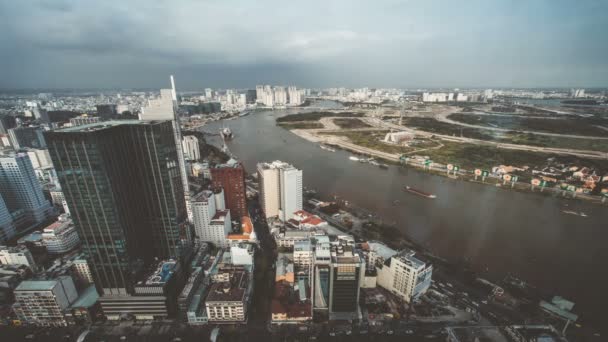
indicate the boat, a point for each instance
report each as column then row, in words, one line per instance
column 327, row 148
column 383, row 166
column 571, row 212
column 226, row 133
column 418, row 192
column 245, row 113
column 353, row 158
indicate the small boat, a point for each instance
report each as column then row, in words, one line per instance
column 327, row 148
column 245, row 113
column 571, row 212
column 418, row 192
column 226, row 133
column 353, row 158
column 383, row 166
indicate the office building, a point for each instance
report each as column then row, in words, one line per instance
column 346, row 274
column 106, row 111
column 21, row 190
column 18, row 255
column 191, row 148
column 280, row 189
column 231, row 178
column 126, row 200
column 303, row 255
column 42, row 302
column 405, row 275
column 61, row 236
column 22, row 137
column 165, row 108
column 322, row 264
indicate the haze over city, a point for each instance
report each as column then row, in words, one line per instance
column 117, row 44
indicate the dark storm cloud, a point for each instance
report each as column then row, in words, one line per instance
column 84, row 43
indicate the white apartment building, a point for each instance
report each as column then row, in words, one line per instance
column 20, row 187
column 227, row 300
column 219, row 227
column 18, row 255
column 203, row 210
column 280, row 96
column 405, row 276
column 280, row 189
column 61, row 236
column 42, row 302
column 191, row 147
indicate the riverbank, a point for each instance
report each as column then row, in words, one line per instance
column 440, row 169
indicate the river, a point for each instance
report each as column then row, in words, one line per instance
column 497, row 231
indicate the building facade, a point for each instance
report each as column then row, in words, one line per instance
column 231, row 178
column 405, row 275
column 22, row 137
column 280, row 189
column 191, row 147
column 20, row 188
column 61, row 236
column 42, row 302
column 18, row 255
column 122, row 183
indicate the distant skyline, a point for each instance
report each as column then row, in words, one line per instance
column 238, row 44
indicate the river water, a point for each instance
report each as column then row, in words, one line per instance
column 497, row 231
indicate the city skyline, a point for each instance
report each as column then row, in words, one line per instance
column 71, row 44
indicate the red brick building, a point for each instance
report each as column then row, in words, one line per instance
column 231, row 177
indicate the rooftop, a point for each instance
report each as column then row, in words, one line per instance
column 36, row 285
column 88, row 297
column 230, row 291
column 202, row 196
column 220, row 215
column 160, row 273
column 97, row 126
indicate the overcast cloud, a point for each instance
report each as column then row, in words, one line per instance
column 229, row 43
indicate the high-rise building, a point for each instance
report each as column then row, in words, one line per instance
column 208, row 93
column 22, row 137
column 165, row 108
column 191, row 148
column 405, row 275
column 259, row 93
column 7, row 227
column 43, row 302
column 346, row 274
column 322, row 263
column 21, row 190
column 280, row 189
column 280, row 96
column 219, row 227
column 7, row 122
column 84, row 119
column 122, row 183
column 231, row 178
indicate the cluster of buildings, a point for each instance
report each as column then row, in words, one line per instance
column 278, row 96
column 458, row 96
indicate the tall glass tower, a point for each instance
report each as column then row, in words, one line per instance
column 122, row 184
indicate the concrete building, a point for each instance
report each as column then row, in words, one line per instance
column 280, row 96
column 219, row 228
column 22, row 137
column 61, row 236
column 42, row 302
column 322, row 264
column 228, row 299
column 82, row 271
column 203, row 210
column 280, row 189
column 21, row 190
column 18, row 255
column 231, row 178
column 242, row 254
column 303, row 255
column 191, row 148
column 165, row 108
column 405, row 275
column 295, row 96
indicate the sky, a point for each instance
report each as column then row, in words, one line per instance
column 238, row 44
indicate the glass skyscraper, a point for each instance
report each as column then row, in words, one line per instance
column 122, row 184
